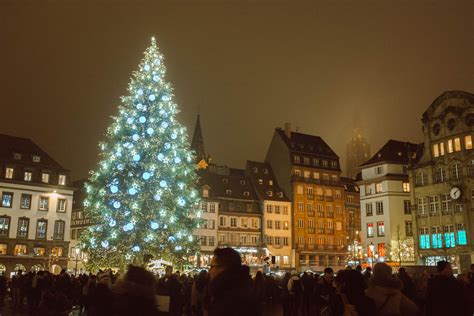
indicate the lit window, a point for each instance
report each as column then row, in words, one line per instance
column 41, row 226
column 435, row 150
column 17, row 156
column 4, row 226
column 299, row 189
column 370, row 230
column 61, row 205
column 437, row 241
column 45, row 177
column 28, row 176
column 23, row 225
column 316, row 175
column 450, row 146
column 9, row 173
column 380, row 229
column 379, row 208
column 3, row 249
column 36, row 159
column 286, row 225
column 19, row 250
column 325, row 163
column 300, row 223
column 468, row 141
column 57, row 251
column 457, row 144
column 301, row 240
column 7, row 199
column 59, row 230
column 39, row 251
column 424, row 238
column 441, row 149
column 205, row 193
column 44, row 203
column 406, row 186
column 378, row 187
column 296, row 159
column 449, row 236
column 62, row 179
column 462, row 239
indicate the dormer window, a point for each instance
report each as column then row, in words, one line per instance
column 228, row 192
column 45, row 177
column 17, row 156
column 280, row 194
column 205, row 192
column 255, row 169
column 9, row 173
column 36, row 159
column 270, row 182
column 265, row 171
column 296, row 159
column 269, row 193
column 225, row 180
column 242, row 182
column 260, row 181
column 246, row 193
column 62, row 179
column 28, row 175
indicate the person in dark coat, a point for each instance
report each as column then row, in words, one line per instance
column 170, row 286
column 102, row 297
column 408, row 285
column 442, row 289
column 229, row 288
column 3, row 289
column 352, row 286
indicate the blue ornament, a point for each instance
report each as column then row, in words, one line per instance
column 165, row 97
column 149, row 130
column 161, row 157
column 112, row 223
column 163, row 184
column 139, row 106
column 167, row 145
column 132, row 191
column 135, row 137
column 174, row 136
column 142, row 119
column 178, row 248
column 146, row 175
column 171, row 239
column 128, row 227
column 105, row 244
column 113, row 189
column 177, row 160
column 157, row 197
column 156, row 78
column 136, row 248
column 139, row 91
column 129, row 120
column 147, row 67
column 117, row 204
column 164, row 124
column 152, row 97
column 181, row 202
column 154, row 225
column 157, row 61
column 136, row 157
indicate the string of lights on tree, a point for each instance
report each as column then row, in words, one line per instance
column 142, row 198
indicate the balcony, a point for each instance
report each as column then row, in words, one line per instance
column 330, row 214
column 80, row 222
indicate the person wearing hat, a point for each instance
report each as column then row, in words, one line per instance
column 384, row 289
column 445, row 295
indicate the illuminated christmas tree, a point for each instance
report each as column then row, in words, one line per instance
column 142, row 199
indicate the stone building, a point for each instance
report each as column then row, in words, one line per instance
column 35, row 210
column 357, row 152
column 308, row 171
column 442, row 176
column 353, row 220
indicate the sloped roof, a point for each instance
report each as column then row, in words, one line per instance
column 393, row 151
column 236, row 181
column 456, row 94
column 263, row 171
column 350, row 185
column 9, row 145
column 307, row 144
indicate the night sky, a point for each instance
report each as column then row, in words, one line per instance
column 250, row 66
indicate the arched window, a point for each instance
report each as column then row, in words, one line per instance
column 420, row 178
column 455, row 171
column 439, row 175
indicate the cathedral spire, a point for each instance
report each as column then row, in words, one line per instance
column 197, row 143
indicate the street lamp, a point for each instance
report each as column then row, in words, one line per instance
column 77, row 251
column 371, row 247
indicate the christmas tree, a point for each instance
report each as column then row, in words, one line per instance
column 142, row 198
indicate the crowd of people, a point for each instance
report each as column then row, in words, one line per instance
column 228, row 289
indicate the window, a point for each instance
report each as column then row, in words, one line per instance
column 457, row 144
column 311, row 223
column 446, row 205
column 269, row 193
column 299, row 189
column 228, row 192
column 277, row 241
column 296, row 159
column 407, row 207
column 434, row 205
column 25, row 201
column 58, row 230
column 455, row 171
column 368, row 189
column 36, row 159
column 57, row 251
column 468, row 141
column 300, row 206
column 221, row 221
column 269, row 240
column 17, row 156
column 3, row 249
column 325, row 177
column 424, row 238
column 338, row 225
column 27, row 176
column 300, row 240
column 9, row 173
column 334, row 164
column 62, row 179
column 338, row 210
column 334, row 178
column 309, row 207
column 269, row 208
column 249, row 207
column 285, row 241
column 378, row 170
column 205, row 193
column 285, row 210
column 450, row 146
column 422, row 205
column 212, row 208
column 368, row 209
column 211, row 241
column 436, row 237
column 408, row 228
column 380, row 229
column 212, row 224
column 19, row 250
column 381, row 249
column 300, row 223
column 309, row 190
column 421, row 178
column 233, row 222
column 45, row 177
column 277, row 225
column 439, row 175
column 406, row 186
column 61, row 205
column 4, row 226
column 379, row 208
column 436, row 150
column 277, row 209
column 255, row 223
column 338, row 194
column 286, row 225
column 44, row 203
column 203, row 241
column 306, row 160
column 41, row 227
column 378, row 187
column 296, row 173
column 462, row 239
column 269, row 224
column 39, row 251
column 23, row 224
column 449, row 236
column 441, row 149
column 370, row 230
column 7, row 199
column 316, row 175
column 325, row 163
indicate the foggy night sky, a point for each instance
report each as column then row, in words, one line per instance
column 250, row 66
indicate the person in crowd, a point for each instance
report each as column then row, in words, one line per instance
column 3, row 289
column 169, row 285
column 198, row 294
column 408, row 286
column 295, row 288
column 385, row 290
column 285, row 294
column 102, row 297
column 258, row 290
column 367, row 274
column 351, row 296
column 229, row 288
column 325, row 290
column 135, row 294
column 445, row 288
column 308, row 293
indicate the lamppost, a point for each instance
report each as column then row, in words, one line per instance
column 371, row 247
column 77, row 252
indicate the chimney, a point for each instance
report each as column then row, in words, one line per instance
column 288, row 130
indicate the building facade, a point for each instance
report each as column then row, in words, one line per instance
column 443, row 177
column 308, row 171
column 353, row 220
column 358, row 152
column 276, row 215
column 387, row 227
column 78, row 224
column 35, row 209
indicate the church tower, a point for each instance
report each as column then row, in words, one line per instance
column 197, row 144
